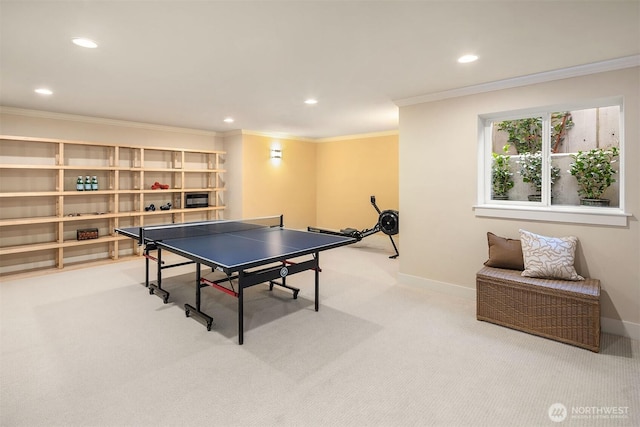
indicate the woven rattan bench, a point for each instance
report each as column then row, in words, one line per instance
column 561, row 310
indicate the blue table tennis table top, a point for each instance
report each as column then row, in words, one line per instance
column 239, row 250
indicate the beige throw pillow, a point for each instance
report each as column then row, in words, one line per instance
column 549, row 257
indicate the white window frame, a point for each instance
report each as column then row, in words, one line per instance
column 544, row 210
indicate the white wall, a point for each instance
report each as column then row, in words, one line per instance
column 444, row 244
column 233, row 145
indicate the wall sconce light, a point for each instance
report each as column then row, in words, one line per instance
column 276, row 153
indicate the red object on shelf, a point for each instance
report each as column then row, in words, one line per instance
column 157, row 185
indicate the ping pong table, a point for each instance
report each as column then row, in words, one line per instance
column 248, row 252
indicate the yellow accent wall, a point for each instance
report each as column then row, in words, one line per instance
column 286, row 187
column 350, row 171
column 327, row 184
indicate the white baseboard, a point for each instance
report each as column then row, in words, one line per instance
column 620, row 327
column 611, row 326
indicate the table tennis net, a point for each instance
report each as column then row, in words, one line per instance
column 206, row 228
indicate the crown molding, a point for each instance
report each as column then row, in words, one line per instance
column 359, row 136
column 103, row 121
column 577, row 71
column 268, row 135
column 276, row 135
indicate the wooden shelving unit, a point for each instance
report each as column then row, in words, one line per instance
column 41, row 210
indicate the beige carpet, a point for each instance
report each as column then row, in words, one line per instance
column 91, row 347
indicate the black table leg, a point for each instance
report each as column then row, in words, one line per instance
column 146, row 266
column 240, row 308
column 190, row 310
column 159, row 272
column 157, row 288
column 317, row 272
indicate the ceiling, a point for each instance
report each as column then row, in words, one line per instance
column 193, row 63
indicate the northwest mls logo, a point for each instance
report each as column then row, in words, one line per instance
column 557, row 412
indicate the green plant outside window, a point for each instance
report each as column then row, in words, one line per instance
column 522, row 149
column 501, row 175
column 594, row 171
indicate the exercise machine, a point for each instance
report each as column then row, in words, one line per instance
column 388, row 223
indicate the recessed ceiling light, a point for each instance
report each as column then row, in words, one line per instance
column 311, row 101
column 80, row 41
column 44, row 91
column 228, row 120
column 467, row 58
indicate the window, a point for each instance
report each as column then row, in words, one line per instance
column 556, row 164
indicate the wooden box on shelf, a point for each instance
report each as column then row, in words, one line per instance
column 87, row 233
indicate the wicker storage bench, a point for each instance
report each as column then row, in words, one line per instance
column 561, row 310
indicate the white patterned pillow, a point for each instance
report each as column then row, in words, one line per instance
column 549, row 257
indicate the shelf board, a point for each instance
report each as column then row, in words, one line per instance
column 208, row 208
column 64, row 167
column 203, row 190
column 28, row 221
column 180, row 190
column 67, row 218
column 172, row 170
column 93, row 216
column 55, row 219
column 88, row 193
column 205, row 170
column 21, row 166
column 92, row 168
column 160, row 190
column 167, row 169
column 104, row 239
column 40, row 271
column 31, row 194
column 104, row 192
column 55, row 245
column 8, row 250
column 105, row 168
column 180, row 210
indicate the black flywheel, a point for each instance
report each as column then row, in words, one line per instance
column 389, row 222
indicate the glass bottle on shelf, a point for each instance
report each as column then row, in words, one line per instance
column 87, row 183
column 79, row 184
column 94, row 183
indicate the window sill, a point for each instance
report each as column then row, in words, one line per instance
column 572, row 214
